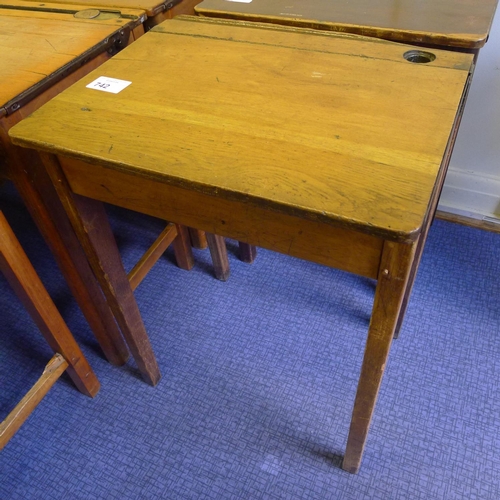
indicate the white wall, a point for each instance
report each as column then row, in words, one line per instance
column 472, row 186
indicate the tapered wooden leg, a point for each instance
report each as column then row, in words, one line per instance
column 198, row 238
column 182, row 248
column 20, row 274
column 91, row 225
column 393, row 276
column 247, row 252
column 218, row 251
column 41, row 200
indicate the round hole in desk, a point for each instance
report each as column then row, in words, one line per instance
column 419, row 56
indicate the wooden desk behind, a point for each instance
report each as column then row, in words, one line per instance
column 323, row 146
column 156, row 11
column 442, row 23
column 44, row 49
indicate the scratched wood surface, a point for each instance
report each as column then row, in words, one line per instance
column 36, row 43
column 169, row 8
column 445, row 23
column 323, row 126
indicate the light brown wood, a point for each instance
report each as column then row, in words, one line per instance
column 325, row 244
column 372, row 118
column 155, row 251
column 198, row 238
column 444, row 23
column 391, row 286
column 18, row 271
column 47, row 31
column 36, row 44
column 323, row 146
column 164, row 9
column 92, row 227
column 16, row 418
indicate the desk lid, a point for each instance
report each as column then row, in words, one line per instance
column 151, row 7
column 335, row 128
column 41, row 44
column 441, row 23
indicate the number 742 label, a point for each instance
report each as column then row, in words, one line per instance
column 107, row 84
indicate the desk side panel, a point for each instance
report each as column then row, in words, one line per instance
column 332, row 246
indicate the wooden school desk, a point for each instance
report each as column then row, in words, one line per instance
column 324, row 146
column 156, row 11
column 441, row 23
column 446, row 24
column 44, row 49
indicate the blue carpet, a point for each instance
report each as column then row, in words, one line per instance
column 259, row 378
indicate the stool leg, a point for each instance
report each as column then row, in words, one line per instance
column 393, row 276
column 218, row 251
column 20, row 274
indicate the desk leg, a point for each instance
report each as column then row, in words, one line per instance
column 21, row 275
column 395, row 267
column 247, row 252
column 218, row 252
column 91, row 225
column 40, row 198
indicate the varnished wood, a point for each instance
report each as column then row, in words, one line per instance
column 17, row 269
column 36, row 44
column 15, row 419
column 443, row 23
column 248, row 253
column 155, row 251
column 221, row 266
column 323, row 146
column 438, row 187
column 92, row 227
column 372, row 118
column 291, row 235
column 154, row 9
column 24, row 68
column 198, row 238
column 395, row 267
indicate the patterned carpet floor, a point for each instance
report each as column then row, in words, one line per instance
column 259, row 378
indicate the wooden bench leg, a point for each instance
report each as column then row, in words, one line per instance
column 393, row 276
column 21, row 276
column 91, row 225
column 218, row 251
column 41, row 200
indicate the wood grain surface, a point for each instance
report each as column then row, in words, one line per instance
column 36, row 43
column 444, row 23
column 329, row 127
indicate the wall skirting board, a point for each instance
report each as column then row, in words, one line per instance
column 472, row 187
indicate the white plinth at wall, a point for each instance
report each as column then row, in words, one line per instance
column 472, row 187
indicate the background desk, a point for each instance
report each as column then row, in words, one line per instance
column 43, row 51
column 313, row 144
column 471, row 192
column 444, row 23
column 156, row 11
